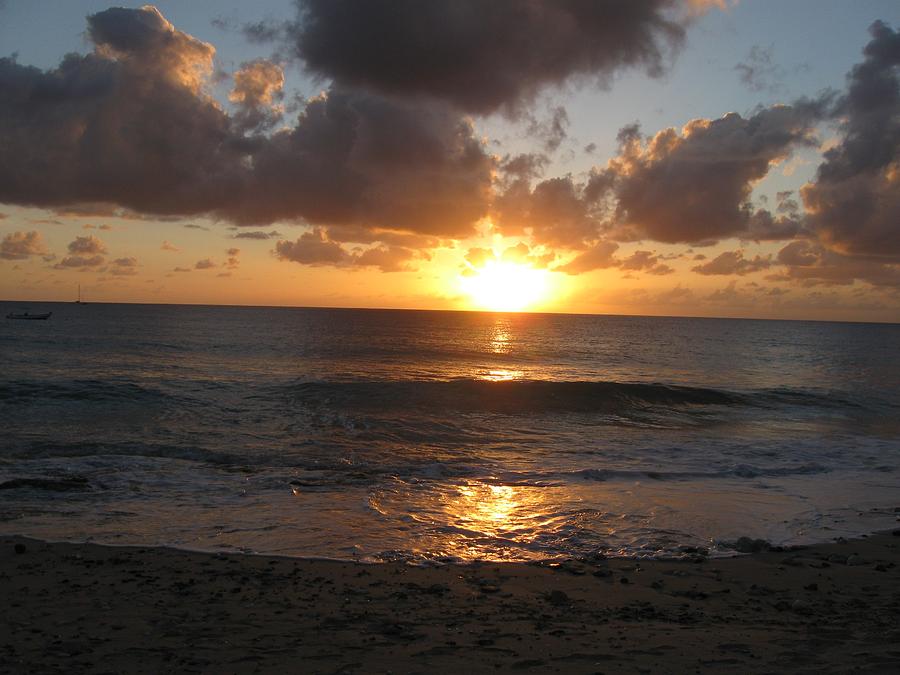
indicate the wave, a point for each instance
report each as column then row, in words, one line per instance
column 531, row 396
column 25, row 391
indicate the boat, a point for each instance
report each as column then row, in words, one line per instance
column 29, row 317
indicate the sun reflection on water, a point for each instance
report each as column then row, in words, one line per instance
column 501, row 375
column 497, row 512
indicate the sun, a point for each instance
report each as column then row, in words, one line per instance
column 503, row 286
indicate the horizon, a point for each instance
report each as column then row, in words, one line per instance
column 500, row 312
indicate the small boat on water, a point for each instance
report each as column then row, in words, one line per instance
column 29, row 317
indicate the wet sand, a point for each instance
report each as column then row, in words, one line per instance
column 85, row 608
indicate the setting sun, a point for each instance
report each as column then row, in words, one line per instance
column 503, row 286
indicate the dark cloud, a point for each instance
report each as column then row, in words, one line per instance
column 360, row 159
column 691, row 186
column 812, row 264
column 258, row 234
column 205, row 264
column 387, row 258
column 312, row 248
column 127, row 124
column 556, row 212
column 645, row 261
column 22, row 245
column 854, row 203
column 733, row 262
column 481, row 56
column 315, row 248
column 130, row 124
column 695, row 186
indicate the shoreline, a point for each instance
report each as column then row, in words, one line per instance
column 94, row 608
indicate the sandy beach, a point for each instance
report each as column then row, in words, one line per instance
column 97, row 609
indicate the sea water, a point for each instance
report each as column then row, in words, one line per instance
column 436, row 436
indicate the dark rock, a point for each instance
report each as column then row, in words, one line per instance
column 748, row 545
column 20, row 548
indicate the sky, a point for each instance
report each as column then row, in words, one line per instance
column 662, row 157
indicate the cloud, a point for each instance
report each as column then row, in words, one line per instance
column 127, row 124
column 233, row 261
column 131, row 124
column 312, row 248
column 386, row 258
column 759, row 72
column 359, row 159
column 598, row 257
column 853, row 205
column 80, row 261
column 811, row 264
column 552, row 131
column 205, row 264
column 22, row 245
column 481, row 56
column 257, row 234
column 89, row 245
column 556, row 212
column 519, row 254
column 317, row 249
column 733, row 262
column 84, row 252
column 167, row 246
column 645, row 261
column 124, row 266
column 522, row 254
column 694, row 186
column 257, row 91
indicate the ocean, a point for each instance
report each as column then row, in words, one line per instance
column 426, row 436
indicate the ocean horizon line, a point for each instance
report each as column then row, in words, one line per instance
column 447, row 311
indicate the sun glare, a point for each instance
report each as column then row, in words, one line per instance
column 503, row 286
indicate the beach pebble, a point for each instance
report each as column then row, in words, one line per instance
column 855, row 560
column 558, row 598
